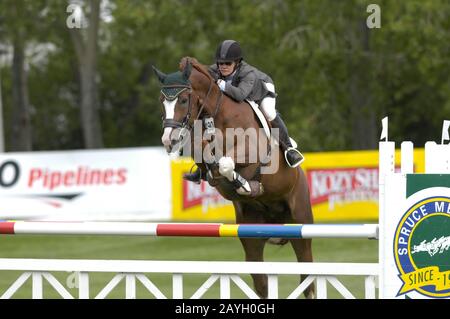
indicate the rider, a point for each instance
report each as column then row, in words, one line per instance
column 241, row 81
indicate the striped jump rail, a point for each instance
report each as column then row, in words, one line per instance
column 192, row 229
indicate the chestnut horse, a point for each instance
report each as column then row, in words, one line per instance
column 281, row 196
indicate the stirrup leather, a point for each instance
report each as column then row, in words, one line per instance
column 296, row 150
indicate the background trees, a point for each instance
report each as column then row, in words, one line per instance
column 335, row 77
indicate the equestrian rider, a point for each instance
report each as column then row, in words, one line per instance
column 241, row 81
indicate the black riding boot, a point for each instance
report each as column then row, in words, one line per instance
column 195, row 177
column 293, row 157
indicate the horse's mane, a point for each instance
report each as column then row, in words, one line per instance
column 196, row 65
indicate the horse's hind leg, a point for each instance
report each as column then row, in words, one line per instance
column 301, row 213
column 254, row 251
column 253, row 247
column 303, row 251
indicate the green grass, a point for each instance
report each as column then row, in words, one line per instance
column 167, row 248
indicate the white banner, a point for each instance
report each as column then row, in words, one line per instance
column 106, row 184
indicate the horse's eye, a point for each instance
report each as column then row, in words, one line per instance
column 183, row 100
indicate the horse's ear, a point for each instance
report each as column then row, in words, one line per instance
column 187, row 70
column 161, row 76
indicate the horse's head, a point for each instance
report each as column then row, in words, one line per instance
column 177, row 99
column 182, row 103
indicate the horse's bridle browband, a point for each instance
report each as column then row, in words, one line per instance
column 185, row 121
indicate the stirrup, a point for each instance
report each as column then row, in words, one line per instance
column 296, row 150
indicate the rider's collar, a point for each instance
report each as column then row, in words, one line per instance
column 229, row 77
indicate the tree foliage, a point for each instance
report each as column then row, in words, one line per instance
column 335, row 78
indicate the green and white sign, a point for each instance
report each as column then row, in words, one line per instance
column 419, row 249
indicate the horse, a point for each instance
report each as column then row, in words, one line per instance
column 191, row 95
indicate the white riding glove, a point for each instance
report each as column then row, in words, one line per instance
column 221, row 83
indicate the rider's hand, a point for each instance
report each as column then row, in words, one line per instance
column 221, row 83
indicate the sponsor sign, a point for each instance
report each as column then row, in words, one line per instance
column 421, row 239
column 343, row 187
column 86, row 184
column 421, row 248
column 196, row 202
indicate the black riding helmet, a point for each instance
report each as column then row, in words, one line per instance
column 228, row 51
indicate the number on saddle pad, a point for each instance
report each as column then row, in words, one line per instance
column 209, row 125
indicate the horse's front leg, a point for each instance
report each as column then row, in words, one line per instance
column 242, row 186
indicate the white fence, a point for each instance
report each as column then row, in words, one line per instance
column 225, row 273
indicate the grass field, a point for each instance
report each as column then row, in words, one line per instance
column 152, row 248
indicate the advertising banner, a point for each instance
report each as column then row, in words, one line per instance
column 117, row 184
column 145, row 184
column 343, row 187
column 196, row 202
column 417, row 237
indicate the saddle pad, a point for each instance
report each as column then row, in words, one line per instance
column 261, row 117
column 263, row 121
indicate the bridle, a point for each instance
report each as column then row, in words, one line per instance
column 185, row 123
column 178, row 88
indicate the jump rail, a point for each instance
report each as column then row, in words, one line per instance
column 133, row 271
column 192, row 229
column 224, row 273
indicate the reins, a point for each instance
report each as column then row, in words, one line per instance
column 185, row 123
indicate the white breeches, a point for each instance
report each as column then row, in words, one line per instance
column 268, row 103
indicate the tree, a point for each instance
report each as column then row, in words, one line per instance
column 18, row 31
column 86, row 44
column 335, row 78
